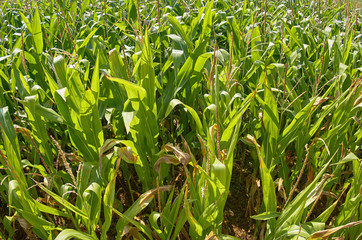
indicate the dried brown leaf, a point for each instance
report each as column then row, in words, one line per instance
column 281, row 189
column 130, row 231
column 149, row 194
column 168, row 159
column 202, row 145
column 326, row 233
column 310, row 174
column 330, row 194
column 127, row 154
column 212, row 131
column 186, row 146
column 211, row 236
column 183, row 157
column 319, row 101
column 27, row 228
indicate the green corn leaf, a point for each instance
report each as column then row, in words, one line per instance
column 207, row 23
column 146, row 74
column 303, row 231
column 61, row 71
column 46, row 209
column 323, row 217
column 193, row 113
column 37, row 222
column 90, row 123
column 92, row 204
column 195, row 227
column 139, row 205
column 271, row 124
column 36, row 32
column 108, row 200
column 183, row 75
column 26, row 21
column 138, row 225
column 227, row 237
column 73, row 234
column 154, row 217
column 329, row 232
column 179, row 224
column 11, row 145
column 63, row 202
column 255, row 43
column 349, row 158
column 177, row 26
column 134, row 91
column 86, row 40
column 290, row 132
column 177, row 217
column 266, row 216
column 24, row 204
column 117, row 65
column 21, row 84
column 209, row 216
column 269, row 196
column 235, row 120
column 40, row 133
column 95, row 80
column 289, row 214
column 49, row 114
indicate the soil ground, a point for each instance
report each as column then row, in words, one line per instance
column 237, row 221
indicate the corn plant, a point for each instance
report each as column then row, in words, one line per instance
column 125, row 119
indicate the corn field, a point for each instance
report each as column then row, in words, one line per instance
column 180, row 119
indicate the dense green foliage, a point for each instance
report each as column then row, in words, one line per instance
column 164, row 96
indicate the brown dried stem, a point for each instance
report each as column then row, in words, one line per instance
column 66, row 164
column 300, row 175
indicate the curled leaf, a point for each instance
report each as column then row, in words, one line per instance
column 107, row 145
column 168, row 159
column 127, row 154
column 186, row 146
column 211, row 236
column 326, row 233
column 27, row 228
column 250, row 140
column 144, row 198
column 130, row 232
column 319, row 101
column 212, row 131
column 183, row 157
column 203, row 148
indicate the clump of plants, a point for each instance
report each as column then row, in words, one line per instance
column 124, row 119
